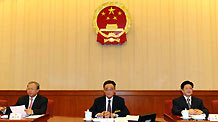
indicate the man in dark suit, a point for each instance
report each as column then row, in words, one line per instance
column 109, row 105
column 187, row 101
column 34, row 103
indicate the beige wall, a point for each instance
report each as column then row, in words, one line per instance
column 53, row 42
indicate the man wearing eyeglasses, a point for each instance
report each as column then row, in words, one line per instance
column 34, row 103
column 110, row 105
column 187, row 101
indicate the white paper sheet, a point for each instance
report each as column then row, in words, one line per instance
column 103, row 119
column 34, row 116
column 18, row 109
column 4, row 117
column 132, row 118
column 198, row 117
column 121, row 119
column 213, row 117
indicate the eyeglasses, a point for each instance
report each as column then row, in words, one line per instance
column 30, row 89
column 108, row 89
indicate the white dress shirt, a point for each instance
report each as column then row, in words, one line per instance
column 190, row 98
column 110, row 103
column 32, row 101
column 107, row 106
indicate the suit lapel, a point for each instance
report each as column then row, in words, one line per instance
column 27, row 101
column 104, row 103
column 184, row 102
column 35, row 101
column 192, row 103
column 114, row 103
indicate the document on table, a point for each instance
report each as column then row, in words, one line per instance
column 121, row 119
column 132, row 117
column 103, row 120
column 34, row 116
column 18, row 109
column 4, row 117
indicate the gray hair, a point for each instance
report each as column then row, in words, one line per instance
column 36, row 83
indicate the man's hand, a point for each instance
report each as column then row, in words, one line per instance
column 113, row 115
column 2, row 108
column 100, row 114
column 198, row 112
column 191, row 111
column 107, row 114
column 28, row 111
column 195, row 112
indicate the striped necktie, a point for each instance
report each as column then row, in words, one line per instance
column 189, row 105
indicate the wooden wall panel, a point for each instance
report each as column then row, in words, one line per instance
column 75, row 102
column 53, row 42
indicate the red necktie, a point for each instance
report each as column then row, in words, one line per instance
column 31, row 103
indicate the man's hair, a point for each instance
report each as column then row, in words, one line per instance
column 185, row 83
column 109, row 82
column 36, row 83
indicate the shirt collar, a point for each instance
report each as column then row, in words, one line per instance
column 109, row 99
column 186, row 98
column 33, row 97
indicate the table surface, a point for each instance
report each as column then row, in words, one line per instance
column 79, row 119
column 173, row 118
column 47, row 118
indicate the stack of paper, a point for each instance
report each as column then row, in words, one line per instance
column 18, row 109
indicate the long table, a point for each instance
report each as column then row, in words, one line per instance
column 78, row 119
column 47, row 118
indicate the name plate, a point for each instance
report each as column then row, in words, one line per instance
column 213, row 117
column 16, row 116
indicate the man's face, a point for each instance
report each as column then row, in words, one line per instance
column 187, row 90
column 32, row 89
column 109, row 90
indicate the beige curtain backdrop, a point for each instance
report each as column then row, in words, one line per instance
column 54, row 43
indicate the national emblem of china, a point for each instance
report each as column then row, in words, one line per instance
column 111, row 22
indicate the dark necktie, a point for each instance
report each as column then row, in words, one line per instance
column 109, row 106
column 189, row 105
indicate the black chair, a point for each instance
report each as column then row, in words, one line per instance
column 147, row 117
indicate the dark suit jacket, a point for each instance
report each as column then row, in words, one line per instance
column 39, row 105
column 117, row 105
column 180, row 104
